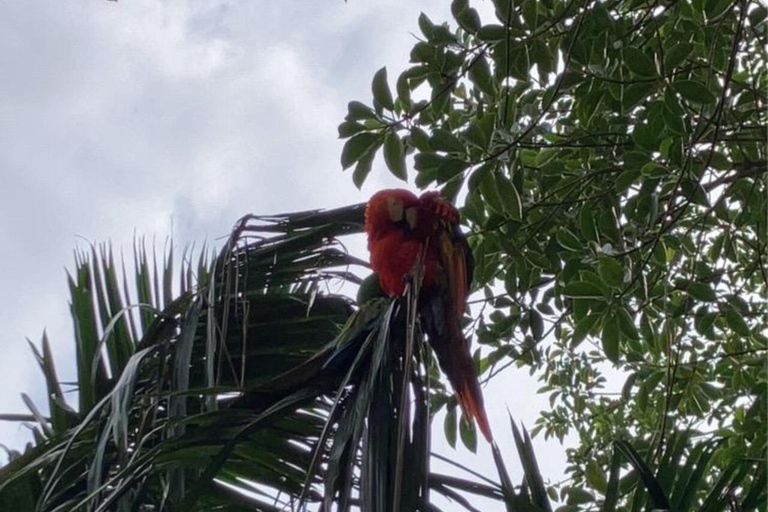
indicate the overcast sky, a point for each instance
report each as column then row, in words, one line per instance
column 153, row 117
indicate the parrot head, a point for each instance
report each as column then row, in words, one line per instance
column 391, row 209
column 393, row 225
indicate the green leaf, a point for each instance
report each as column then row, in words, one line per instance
column 487, row 185
column 475, row 136
column 636, row 159
column 532, row 473
column 542, row 56
column 674, row 151
column 537, row 324
column 611, row 337
column 459, row 5
column 694, row 91
column 449, row 426
column 403, row 89
column 719, row 161
column 757, row 16
column 672, row 103
column 503, row 9
column 420, row 139
column 545, row 156
column 611, row 272
column 426, row 26
column 358, row 146
column 583, row 328
column 363, row 169
column 674, row 122
column 349, row 128
column 451, row 189
column 638, row 62
column 612, row 490
column 480, row 75
column 714, row 8
column 444, row 140
column 591, row 277
column 704, row 323
column 449, row 169
column 702, row 292
column 423, row 52
column 568, row 240
column 441, row 99
column 578, row 496
column 358, row 111
column 587, row 223
column 646, row 137
column 659, row 255
column 627, row 324
column 635, row 93
column 658, row 498
column 676, row 55
column 394, row 156
column 467, row 18
column 583, row 290
column 428, row 162
column 520, row 63
column 380, row 88
column 438, row 167
column 468, row 433
column 492, row 33
column 530, row 13
column 626, row 179
column 736, row 322
column 510, row 198
column 443, row 36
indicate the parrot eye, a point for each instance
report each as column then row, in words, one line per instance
column 395, row 208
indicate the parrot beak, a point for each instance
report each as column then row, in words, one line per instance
column 402, row 217
column 412, row 217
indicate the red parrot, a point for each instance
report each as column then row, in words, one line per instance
column 400, row 226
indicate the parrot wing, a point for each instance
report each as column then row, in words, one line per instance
column 443, row 307
column 457, row 262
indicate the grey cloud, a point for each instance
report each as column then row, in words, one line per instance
column 132, row 117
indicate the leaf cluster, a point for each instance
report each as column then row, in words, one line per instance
column 610, row 161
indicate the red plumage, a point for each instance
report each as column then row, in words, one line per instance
column 400, row 226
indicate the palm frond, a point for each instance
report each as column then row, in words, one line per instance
column 157, row 398
column 239, row 382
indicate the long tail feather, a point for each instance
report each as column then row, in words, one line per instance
column 470, row 396
column 452, row 350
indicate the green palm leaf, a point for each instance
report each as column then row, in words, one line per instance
column 248, row 386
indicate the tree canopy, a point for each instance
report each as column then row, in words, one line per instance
column 610, row 161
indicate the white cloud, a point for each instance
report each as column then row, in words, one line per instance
column 130, row 117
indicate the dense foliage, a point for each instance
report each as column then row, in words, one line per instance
column 610, row 159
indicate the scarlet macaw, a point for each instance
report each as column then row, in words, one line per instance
column 400, row 226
